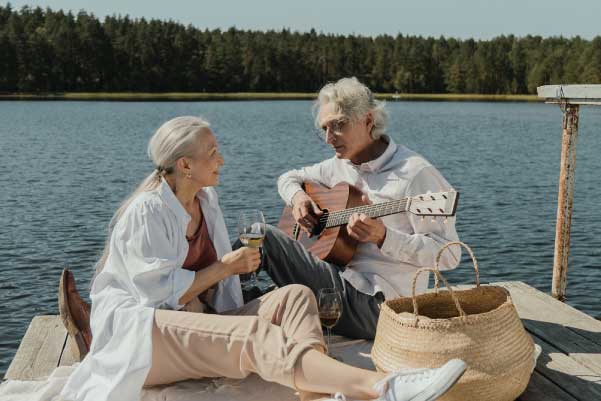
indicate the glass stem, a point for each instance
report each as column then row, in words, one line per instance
column 328, row 340
column 254, row 277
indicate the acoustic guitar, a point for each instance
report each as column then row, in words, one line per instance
column 330, row 241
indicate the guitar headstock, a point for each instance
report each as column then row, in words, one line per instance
column 434, row 204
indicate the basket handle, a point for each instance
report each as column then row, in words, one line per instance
column 471, row 253
column 446, row 283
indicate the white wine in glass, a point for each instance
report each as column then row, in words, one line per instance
column 252, row 240
column 251, row 231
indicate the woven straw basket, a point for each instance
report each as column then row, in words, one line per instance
column 479, row 326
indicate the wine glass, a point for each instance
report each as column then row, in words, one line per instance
column 330, row 309
column 251, row 231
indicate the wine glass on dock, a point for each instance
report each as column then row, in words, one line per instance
column 251, row 231
column 330, row 309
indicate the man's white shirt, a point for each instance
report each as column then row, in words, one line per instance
column 411, row 242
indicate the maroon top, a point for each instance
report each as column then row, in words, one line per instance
column 201, row 252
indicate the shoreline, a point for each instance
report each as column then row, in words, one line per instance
column 200, row 96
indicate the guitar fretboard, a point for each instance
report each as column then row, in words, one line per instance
column 341, row 217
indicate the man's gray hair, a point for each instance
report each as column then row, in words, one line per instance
column 353, row 100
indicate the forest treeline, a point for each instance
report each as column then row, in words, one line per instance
column 42, row 50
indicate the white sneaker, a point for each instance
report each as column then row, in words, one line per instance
column 420, row 384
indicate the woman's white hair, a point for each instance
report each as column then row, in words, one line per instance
column 354, row 100
column 173, row 140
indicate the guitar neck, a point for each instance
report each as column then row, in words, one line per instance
column 341, row 217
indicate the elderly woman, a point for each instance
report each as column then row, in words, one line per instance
column 167, row 249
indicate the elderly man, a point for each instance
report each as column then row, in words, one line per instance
column 390, row 248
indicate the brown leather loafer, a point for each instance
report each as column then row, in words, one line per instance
column 75, row 314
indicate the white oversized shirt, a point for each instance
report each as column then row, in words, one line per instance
column 143, row 272
column 410, row 243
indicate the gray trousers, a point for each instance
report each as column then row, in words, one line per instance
column 287, row 262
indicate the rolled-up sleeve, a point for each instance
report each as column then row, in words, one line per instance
column 151, row 259
column 421, row 246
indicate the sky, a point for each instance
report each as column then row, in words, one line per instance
column 479, row 19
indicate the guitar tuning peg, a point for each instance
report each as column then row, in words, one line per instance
column 433, row 220
column 446, row 220
column 423, row 218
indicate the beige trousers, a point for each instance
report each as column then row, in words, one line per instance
column 265, row 336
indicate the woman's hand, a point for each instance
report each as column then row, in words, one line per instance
column 241, row 261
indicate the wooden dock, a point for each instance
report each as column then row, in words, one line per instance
column 569, row 367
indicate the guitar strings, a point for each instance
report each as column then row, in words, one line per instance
column 341, row 216
column 368, row 208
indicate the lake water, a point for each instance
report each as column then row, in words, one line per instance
column 65, row 167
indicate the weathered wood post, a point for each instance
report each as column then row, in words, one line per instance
column 565, row 199
column 569, row 97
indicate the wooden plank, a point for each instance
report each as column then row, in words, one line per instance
column 67, row 357
column 567, row 329
column 40, row 349
column 541, row 388
column 574, row 378
column 582, row 350
column 534, row 305
column 573, row 94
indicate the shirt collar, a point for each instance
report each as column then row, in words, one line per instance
column 206, row 200
column 378, row 163
column 172, row 202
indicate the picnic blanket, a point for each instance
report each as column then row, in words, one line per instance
column 252, row 388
